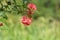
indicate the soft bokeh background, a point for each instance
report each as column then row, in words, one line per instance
column 45, row 25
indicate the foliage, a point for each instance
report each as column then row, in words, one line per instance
column 43, row 26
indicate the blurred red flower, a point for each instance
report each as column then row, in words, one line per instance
column 30, row 12
column 1, row 24
column 32, row 6
column 26, row 21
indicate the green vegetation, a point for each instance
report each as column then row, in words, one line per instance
column 45, row 25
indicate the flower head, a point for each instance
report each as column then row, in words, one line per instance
column 26, row 20
column 32, row 6
column 30, row 12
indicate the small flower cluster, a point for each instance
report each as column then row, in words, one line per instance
column 26, row 20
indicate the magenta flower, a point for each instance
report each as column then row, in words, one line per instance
column 30, row 12
column 32, row 6
column 26, row 20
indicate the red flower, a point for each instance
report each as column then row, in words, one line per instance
column 29, row 12
column 26, row 20
column 32, row 6
column 1, row 24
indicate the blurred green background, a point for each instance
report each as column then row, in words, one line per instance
column 45, row 25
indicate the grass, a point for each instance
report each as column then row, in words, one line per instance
column 40, row 29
